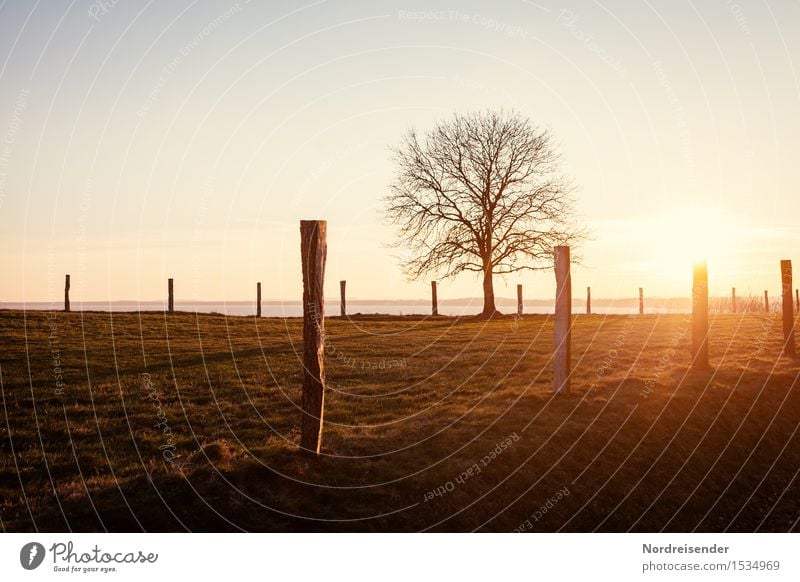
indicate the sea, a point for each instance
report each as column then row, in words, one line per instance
column 295, row 308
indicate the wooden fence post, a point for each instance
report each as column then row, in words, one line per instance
column 788, row 308
column 588, row 301
column 170, row 296
column 342, row 298
column 766, row 301
column 434, row 299
column 797, row 299
column 641, row 301
column 700, row 316
column 258, row 299
column 519, row 299
column 313, row 253
column 562, row 322
column 733, row 299
column 66, row 293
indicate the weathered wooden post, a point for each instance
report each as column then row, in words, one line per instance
column 641, row 301
column 562, row 323
column 342, row 298
column 797, row 299
column 258, row 299
column 171, row 296
column 519, row 299
column 788, row 308
column 733, row 299
column 588, row 301
column 766, row 301
column 434, row 299
column 313, row 252
column 700, row 316
column 66, row 293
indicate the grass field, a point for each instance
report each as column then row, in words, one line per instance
column 127, row 422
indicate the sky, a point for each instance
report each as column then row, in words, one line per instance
column 187, row 139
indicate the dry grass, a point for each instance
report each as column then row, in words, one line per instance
column 642, row 443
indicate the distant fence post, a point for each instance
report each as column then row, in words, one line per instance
column 788, row 308
column 66, row 293
column 519, row 299
column 588, row 301
column 313, row 252
column 700, row 316
column 434, row 299
column 733, row 299
column 562, row 328
column 258, row 299
column 170, row 296
column 766, row 301
column 641, row 301
column 342, row 298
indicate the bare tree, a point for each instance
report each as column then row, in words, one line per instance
column 480, row 192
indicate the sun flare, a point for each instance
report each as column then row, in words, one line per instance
column 684, row 236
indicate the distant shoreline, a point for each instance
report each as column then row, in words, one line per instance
column 464, row 301
column 463, row 307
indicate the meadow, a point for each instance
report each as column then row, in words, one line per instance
column 176, row 422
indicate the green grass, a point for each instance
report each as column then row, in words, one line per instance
column 642, row 442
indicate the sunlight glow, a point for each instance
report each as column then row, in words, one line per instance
column 688, row 235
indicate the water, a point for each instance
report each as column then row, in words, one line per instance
column 294, row 308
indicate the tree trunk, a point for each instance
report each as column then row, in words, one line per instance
column 488, row 293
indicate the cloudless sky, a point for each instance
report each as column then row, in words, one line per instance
column 187, row 139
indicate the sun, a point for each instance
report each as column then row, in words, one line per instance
column 683, row 236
